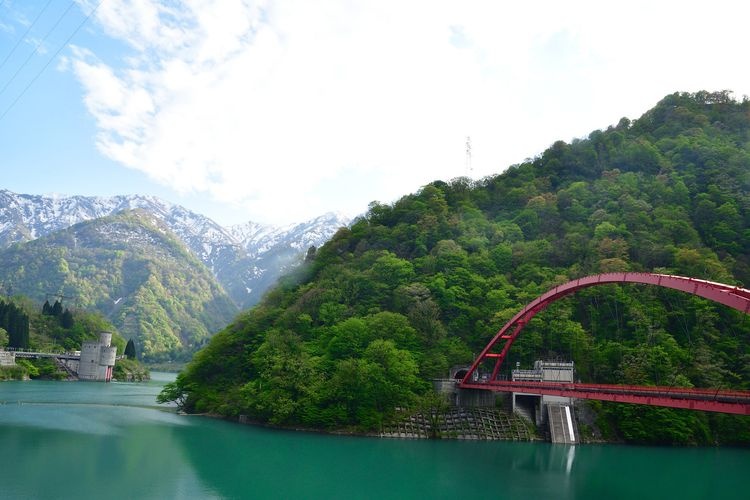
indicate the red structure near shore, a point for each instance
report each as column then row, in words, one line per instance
column 717, row 400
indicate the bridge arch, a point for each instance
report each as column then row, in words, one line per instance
column 735, row 297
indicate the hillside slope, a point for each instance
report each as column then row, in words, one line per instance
column 131, row 268
column 246, row 259
column 417, row 286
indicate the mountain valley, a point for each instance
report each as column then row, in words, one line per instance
column 161, row 273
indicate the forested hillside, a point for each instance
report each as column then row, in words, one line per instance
column 246, row 259
column 415, row 287
column 132, row 269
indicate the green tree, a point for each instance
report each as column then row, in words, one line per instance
column 174, row 392
column 57, row 309
column 66, row 319
column 130, row 349
column 16, row 322
column 310, row 255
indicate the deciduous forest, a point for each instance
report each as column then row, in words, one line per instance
column 415, row 287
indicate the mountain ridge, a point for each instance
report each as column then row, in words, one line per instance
column 247, row 250
column 133, row 269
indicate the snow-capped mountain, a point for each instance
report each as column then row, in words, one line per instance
column 246, row 259
column 131, row 268
column 258, row 239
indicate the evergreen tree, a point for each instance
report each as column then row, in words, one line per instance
column 13, row 340
column 17, row 327
column 46, row 308
column 311, row 254
column 66, row 320
column 57, row 308
column 24, row 331
column 130, row 349
column 16, row 323
column 4, row 315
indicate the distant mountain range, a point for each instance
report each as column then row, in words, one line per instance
column 106, row 252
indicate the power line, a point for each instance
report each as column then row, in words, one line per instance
column 25, row 33
column 37, row 48
column 49, row 61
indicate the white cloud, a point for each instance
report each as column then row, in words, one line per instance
column 278, row 106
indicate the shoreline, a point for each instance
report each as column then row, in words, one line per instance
column 534, row 438
column 475, row 435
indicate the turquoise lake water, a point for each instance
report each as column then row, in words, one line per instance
column 112, row 441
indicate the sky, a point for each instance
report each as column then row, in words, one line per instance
column 279, row 111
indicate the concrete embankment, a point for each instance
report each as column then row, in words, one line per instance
column 461, row 423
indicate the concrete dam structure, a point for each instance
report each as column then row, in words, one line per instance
column 97, row 359
column 554, row 411
column 553, row 414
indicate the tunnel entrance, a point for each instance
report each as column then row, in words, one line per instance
column 528, row 406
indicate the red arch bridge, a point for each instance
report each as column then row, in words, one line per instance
column 717, row 400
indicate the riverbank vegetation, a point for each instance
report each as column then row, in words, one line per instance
column 130, row 370
column 415, row 287
column 17, row 372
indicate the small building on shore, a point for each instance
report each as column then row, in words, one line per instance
column 7, row 358
column 97, row 359
column 531, row 405
column 554, row 411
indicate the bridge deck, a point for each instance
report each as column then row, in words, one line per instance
column 737, row 402
column 29, row 354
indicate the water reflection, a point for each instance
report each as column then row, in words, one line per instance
column 98, row 448
column 84, row 418
column 571, row 456
column 85, row 440
column 250, row 462
column 137, row 462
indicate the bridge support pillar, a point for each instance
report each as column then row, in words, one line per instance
column 471, row 398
